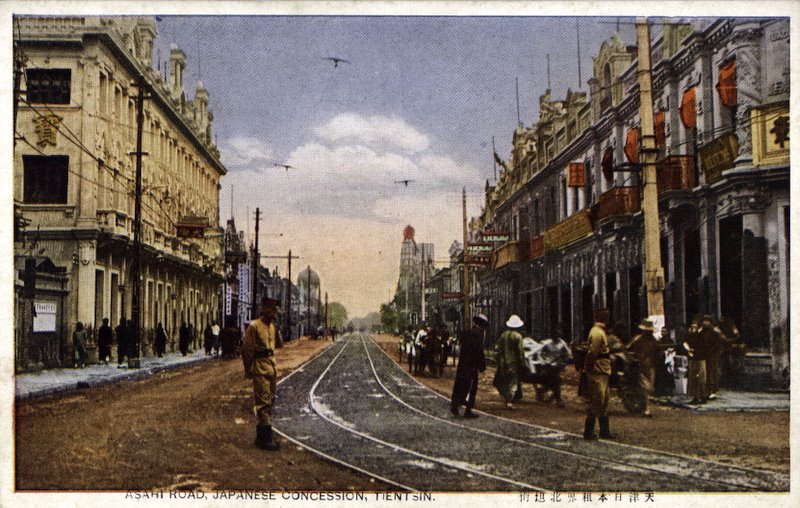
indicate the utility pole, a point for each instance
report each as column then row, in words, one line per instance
column 288, row 292
column 136, row 269
column 308, row 302
column 256, row 264
column 465, row 289
column 423, row 282
column 319, row 302
column 654, row 272
column 326, row 313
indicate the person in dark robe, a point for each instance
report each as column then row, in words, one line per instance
column 471, row 361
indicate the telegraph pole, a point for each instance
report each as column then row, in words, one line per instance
column 465, row 289
column 326, row 313
column 136, row 269
column 256, row 264
column 423, row 283
column 654, row 272
column 308, row 303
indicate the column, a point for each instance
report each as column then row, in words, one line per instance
column 745, row 42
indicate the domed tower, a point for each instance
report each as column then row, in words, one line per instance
column 308, row 277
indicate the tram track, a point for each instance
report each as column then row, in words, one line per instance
column 368, row 421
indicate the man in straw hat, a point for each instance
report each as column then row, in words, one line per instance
column 510, row 356
column 471, row 361
column 644, row 348
column 598, row 368
column 258, row 348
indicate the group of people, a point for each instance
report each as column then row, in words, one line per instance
column 428, row 348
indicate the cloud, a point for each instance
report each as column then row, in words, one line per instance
column 245, row 153
column 374, row 131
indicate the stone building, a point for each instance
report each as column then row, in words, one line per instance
column 570, row 198
column 74, row 175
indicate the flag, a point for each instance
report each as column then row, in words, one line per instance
column 632, row 145
column 726, row 86
column 689, row 109
column 607, row 165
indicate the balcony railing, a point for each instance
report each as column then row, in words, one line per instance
column 676, row 172
column 508, row 253
column 618, row 201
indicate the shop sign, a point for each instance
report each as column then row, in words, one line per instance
column 452, row 296
column 479, row 260
column 770, row 135
column 44, row 319
column 565, row 232
column 431, row 291
column 228, row 300
column 536, row 247
column 191, row 227
column 577, row 174
column 479, row 247
column 495, row 236
column 718, row 155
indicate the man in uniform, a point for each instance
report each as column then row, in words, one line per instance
column 471, row 360
column 644, row 348
column 258, row 348
column 598, row 368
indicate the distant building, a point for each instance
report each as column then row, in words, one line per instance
column 416, row 265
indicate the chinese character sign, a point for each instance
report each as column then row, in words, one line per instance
column 46, row 128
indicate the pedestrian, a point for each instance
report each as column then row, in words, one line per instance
column 208, row 339
column 122, row 342
column 258, row 348
column 471, row 361
column 133, row 340
column 79, row 345
column 419, row 350
column 105, row 336
column 598, row 368
column 717, row 343
column 510, row 357
column 334, row 332
column 230, row 337
column 160, row 342
column 698, row 345
column 443, row 346
column 555, row 354
column 184, row 336
column 215, row 337
column 644, row 348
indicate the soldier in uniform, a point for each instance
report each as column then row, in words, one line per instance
column 258, row 348
column 598, row 368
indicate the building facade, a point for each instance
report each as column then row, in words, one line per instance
column 570, row 196
column 74, row 175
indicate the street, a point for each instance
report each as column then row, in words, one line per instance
column 350, row 419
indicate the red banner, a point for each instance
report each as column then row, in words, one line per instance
column 608, row 163
column 577, row 174
column 660, row 132
column 632, row 145
column 726, row 86
column 689, row 109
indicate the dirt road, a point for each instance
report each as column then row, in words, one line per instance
column 188, row 428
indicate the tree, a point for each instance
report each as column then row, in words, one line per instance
column 337, row 315
column 389, row 318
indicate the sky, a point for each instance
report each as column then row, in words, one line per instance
column 420, row 99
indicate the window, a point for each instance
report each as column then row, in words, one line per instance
column 48, row 86
column 45, row 179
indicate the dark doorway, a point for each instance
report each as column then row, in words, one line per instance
column 552, row 310
column 611, row 289
column 691, row 273
column 635, row 303
column 528, row 317
column 730, row 268
column 587, row 317
column 566, row 314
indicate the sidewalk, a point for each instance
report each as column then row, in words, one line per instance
column 51, row 381
column 734, row 401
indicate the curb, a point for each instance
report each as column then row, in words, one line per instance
column 130, row 375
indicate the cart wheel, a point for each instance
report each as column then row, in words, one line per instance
column 634, row 399
column 544, row 394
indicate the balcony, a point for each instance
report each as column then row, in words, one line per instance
column 618, row 201
column 507, row 254
column 676, row 172
column 536, row 247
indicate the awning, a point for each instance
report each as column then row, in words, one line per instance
column 726, row 86
column 689, row 109
column 632, row 145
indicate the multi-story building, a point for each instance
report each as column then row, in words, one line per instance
column 416, row 266
column 74, row 173
column 570, row 198
column 444, row 299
